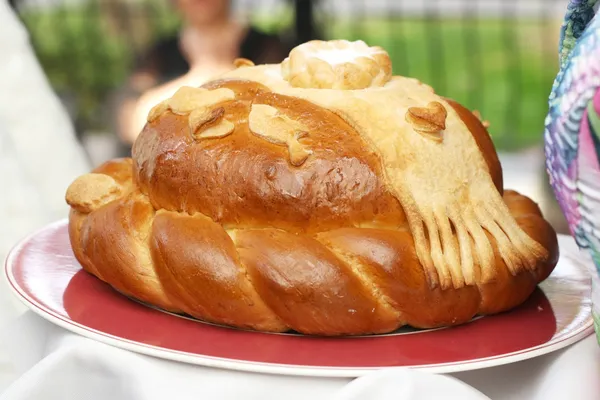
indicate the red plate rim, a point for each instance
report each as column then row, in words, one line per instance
column 583, row 330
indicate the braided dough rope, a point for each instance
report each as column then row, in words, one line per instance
column 272, row 280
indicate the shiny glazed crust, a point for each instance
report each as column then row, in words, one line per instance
column 262, row 210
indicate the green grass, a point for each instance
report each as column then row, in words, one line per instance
column 505, row 76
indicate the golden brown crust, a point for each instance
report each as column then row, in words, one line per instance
column 530, row 219
column 509, row 291
column 244, row 180
column 389, row 259
column 209, row 282
column 260, row 205
column 122, row 243
column 309, row 287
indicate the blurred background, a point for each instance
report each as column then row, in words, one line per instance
column 495, row 56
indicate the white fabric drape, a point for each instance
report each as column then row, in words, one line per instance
column 39, row 153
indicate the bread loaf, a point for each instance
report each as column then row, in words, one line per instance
column 321, row 195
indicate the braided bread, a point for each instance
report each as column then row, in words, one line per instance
column 306, row 197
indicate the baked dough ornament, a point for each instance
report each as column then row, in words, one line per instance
column 321, row 195
column 266, row 122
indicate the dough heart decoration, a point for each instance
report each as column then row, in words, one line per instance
column 429, row 120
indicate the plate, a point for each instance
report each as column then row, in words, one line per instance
column 45, row 275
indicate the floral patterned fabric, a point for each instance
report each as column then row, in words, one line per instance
column 572, row 134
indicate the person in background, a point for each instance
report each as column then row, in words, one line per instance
column 206, row 46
